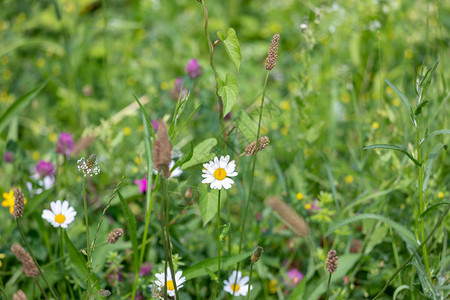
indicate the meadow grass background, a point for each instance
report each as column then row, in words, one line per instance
column 326, row 99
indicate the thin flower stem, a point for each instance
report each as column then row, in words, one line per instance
column 88, row 249
column 61, row 243
column 249, row 281
column 166, row 226
column 40, row 288
column 421, row 200
column 328, row 286
column 413, row 254
column 218, row 246
column 19, row 225
column 252, row 175
column 147, row 221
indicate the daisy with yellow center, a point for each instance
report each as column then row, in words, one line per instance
column 237, row 285
column 170, row 284
column 9, row 201
column 217, row 171
column 60, row 214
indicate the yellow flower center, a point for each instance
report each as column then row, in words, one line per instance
column 170, row 285
column 235, row 287
column 60, row 218
column 220, row 174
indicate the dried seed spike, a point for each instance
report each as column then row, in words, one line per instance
column 271, row 59
column 289, row 215
column 20, row 295
column 332, row 261
column 162, row 150
column 19, row 203
column 257, row 254
column 114, row 235
column 28, row 266
column 263, row 142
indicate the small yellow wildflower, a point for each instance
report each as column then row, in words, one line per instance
column 375, row 125
column 396, row 102
column 264, row 130
column 441, row 195
column 273, row 286
column 164, row 86
column 135, row 169
column 285, row 105
column 7, row 74
column 9, row 201
column 284, row 130
column 35, row 155
column 345, row 98
column 2, row 256
column 409, row 54
column 53, row 137
column 127, row 130
column 274, row 125
column 5, row 60
column 299, row 196
column 40, row 62
column 141, row 128
column 308, row 206
column 137, row 160
column 349, row 179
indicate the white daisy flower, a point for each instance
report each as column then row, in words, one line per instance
column 170, row 285
column 60, row 214
column 238, row 287
column 218, row 171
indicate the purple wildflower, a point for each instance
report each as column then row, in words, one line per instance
column 8, row 157
column 139, row 296
column 65, row 144
column 45, row 168
column 146, row 268
column 178, row 88
column 295, row 276
column 313, row 207
column 155, row 124
column 193, row 68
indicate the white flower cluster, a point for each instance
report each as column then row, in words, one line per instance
column 88, row 166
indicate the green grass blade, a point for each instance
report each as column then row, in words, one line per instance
column 435, row 133
column 131, row 225
column 431, row 208
column 430, row 162
column 403, row 97
column 406, row 235
column 394, row 147
column 19, row 105
column 200, row 269
column 79, row 262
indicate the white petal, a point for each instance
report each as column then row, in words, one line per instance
column 58, row 205
column 64, row 225
column 208, row 180
column 170, row 293
column 53, row 207
column 243, row 281
column 64, row 207
column 216, row 162
column 232, row 174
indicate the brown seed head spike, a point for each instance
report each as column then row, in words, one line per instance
column 28, row 266
column 114, row 235
column 271, row 59
column 162, row 150
column 332, row 261
column 20, row 295
column 288, row 214
column 19, row 203
column 263, row 142
column 257, row 254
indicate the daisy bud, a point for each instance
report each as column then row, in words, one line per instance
column 104, row 293
column 19, row 203
column 257, row 254
column 271, row 59
column 332, row 261
column 263, row 142
column 20, row 295
column 114, row 235
column 287, row 213
column 162, row 151
column 28, row 266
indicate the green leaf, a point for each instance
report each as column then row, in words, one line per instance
column 231, row 46
column 185, row 158
column 202, row 153
column 405, row 234
column 346, row 262
column 431, row 208
column 435, row 133
column 19, row 105
column 247, row 126
column 199, row 269
column 228, row 90
column 208, row 203
column 79, row 262
column 403, row 97
column 429, row 165
column 399, row 289
column 418, row 110
column 149, row 124
column 131, row 225
column 393, row 147
column 299, row 291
